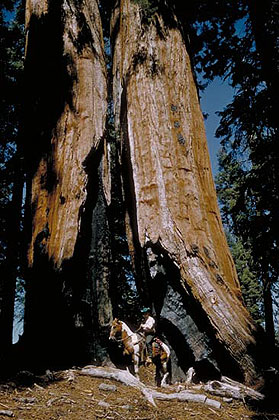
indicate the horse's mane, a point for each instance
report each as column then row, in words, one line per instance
column 126, row 328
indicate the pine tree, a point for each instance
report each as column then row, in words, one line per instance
column 250, row 286
column 11, row 170
column 234, row 47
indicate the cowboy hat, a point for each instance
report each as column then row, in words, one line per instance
column 144, row 310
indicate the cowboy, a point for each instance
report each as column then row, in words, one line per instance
column 148, row 328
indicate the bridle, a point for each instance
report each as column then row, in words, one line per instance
column 121, row 340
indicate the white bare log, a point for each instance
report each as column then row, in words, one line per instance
column 123, row 376
column 69, row 375
column 229, row 388
column 127, row 378
column 188, row 397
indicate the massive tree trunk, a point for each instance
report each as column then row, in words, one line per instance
column 174, row 230
column 173, row 221
column 67, row 304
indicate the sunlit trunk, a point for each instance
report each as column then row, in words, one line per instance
column 173, row 220
column 68, row 182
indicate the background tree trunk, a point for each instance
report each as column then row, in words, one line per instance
column 68, row 182
column 268, row 314
column 264, row 19
column 173, row 220
column 9, row 270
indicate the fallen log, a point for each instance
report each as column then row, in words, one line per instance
column 125, row 377
column 229, row 388
column 187, row 396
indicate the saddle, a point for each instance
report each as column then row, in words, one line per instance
column 157, row 349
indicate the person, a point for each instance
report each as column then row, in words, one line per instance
column 148, row 328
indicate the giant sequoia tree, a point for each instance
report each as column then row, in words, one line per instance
column 181, row 261
column 64, row 126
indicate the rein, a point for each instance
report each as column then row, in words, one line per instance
column 119, row 340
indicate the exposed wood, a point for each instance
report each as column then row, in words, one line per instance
column 65, row 116
column 229, row 388
column 187, row 396
column 123, row 376
column 236, row 392
column 175, row 211
column 128, row 379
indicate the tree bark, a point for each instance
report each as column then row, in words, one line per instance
column 182, row 261
column 66, row 77
column 173, row 219
column 68, row 182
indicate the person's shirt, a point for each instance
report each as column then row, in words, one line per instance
column 163, row 345
column 149, row 325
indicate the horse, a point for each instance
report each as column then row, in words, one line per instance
column 161, row 359
column 134, row 345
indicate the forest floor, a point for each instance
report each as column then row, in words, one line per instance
column 58, row 396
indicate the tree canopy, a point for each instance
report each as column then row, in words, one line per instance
column 240, row 44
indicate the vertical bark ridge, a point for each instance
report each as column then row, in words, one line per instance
column 63, row 141
column 175, row 199
column 68, row 308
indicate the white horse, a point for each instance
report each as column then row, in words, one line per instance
column 133, row 343
column 161, row 359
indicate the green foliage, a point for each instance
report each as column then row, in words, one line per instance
column 11, row 179
column 148, row 9
column 238, row 41
column 11, row 70
column 250, row 286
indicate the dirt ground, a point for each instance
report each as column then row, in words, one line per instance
column 66, row 396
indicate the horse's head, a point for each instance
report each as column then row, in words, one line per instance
column 116, row 329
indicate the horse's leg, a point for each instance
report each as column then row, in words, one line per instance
column 166, row 374
column 142, row 350
column 158, row 376
column 157, row 362
column 164, row 364
column 144, row 353
column 136, row 359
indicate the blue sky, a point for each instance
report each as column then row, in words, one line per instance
column 214, row 98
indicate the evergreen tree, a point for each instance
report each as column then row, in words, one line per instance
column 234, row 48
column 250, row 286
column 11, row 177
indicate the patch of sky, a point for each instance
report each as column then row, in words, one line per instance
column 8, row 16
column 214, row 98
